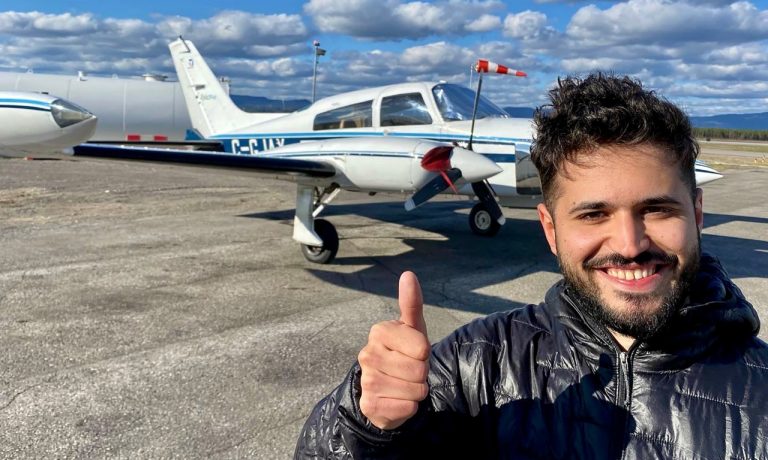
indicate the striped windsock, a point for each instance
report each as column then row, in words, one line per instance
column 485, row 66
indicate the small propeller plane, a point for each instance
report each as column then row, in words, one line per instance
column 422, row 138
column 36, row 123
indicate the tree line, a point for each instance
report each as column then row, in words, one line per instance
column 730, row 134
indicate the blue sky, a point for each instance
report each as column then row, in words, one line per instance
column 709, row 56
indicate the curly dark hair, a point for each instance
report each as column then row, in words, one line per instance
column 604, row 109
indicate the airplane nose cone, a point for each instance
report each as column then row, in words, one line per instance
column 705, row 173
column 474, row 166
column 74, row 134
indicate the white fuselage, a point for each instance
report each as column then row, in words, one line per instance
column 373, row 114
column 127, row 108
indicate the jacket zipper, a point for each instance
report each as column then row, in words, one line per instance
column 624, row 395
column 623, row 391
column 624, row 398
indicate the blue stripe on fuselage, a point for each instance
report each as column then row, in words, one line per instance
column 316, row 135
column 247, row 144
column 25, row 104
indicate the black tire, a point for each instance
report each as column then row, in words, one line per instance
column 481, row 222
column 327, row 252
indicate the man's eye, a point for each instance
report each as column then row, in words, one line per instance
column 591, row 216
column 658, row 210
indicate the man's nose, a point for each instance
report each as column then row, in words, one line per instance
column 629, row 237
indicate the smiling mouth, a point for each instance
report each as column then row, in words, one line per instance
column 631, row 274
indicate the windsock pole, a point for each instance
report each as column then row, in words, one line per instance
column 474, row 109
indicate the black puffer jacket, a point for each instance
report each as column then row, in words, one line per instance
column 547, row 382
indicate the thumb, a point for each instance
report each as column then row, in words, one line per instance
column 411, row 302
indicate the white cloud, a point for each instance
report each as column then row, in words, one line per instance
column 397, row 20
column 484, row 23
column 35, row 23
column 712, row 44
column 527, row 25
column 674, row 46
column 229, row 30
column 667, row 23
column 66, row 42
column 750, row 53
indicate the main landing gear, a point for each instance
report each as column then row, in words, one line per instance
column 320, row 241
column 327, row 251
column 318, row 237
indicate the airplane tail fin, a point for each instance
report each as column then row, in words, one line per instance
column 210, row 108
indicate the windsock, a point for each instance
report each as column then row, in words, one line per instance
column 486, row 66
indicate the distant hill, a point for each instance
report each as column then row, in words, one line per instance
column 265, row 104
column 519, row 112
column 752, row 121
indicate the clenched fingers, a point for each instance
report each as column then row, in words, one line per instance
column 377, row 384
column 393, row 363
column 397, row 336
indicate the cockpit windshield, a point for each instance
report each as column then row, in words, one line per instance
column 456, row 102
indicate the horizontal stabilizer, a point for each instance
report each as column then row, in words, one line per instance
column 208, row 159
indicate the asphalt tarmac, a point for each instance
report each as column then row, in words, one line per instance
column 158, row 311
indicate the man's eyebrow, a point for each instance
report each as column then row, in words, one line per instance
column 652, row 201
column 588, row 206
column 663, row 199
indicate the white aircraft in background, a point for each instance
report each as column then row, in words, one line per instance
column 35, row 123
column 420, row 138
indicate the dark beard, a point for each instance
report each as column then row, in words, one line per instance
column 637, row 323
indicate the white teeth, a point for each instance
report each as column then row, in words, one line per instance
column 635, row 274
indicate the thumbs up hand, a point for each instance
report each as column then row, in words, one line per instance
column 395, row 362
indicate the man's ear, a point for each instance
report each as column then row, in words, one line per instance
column 698, row 209
column 548, row 224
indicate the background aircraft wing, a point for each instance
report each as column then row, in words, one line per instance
column 255, row 163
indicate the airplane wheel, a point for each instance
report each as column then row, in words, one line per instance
column 481, row 222
column 322, row 254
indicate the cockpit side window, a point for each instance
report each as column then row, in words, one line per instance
column 404, row 109
column 358, row 115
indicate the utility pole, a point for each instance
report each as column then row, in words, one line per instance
column 318, row 52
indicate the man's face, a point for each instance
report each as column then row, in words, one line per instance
column 625, row 231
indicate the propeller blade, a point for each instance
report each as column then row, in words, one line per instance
column 485, row 195
column 441, row 182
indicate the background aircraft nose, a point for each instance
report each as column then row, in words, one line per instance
column 474, row 166
column 66, row 113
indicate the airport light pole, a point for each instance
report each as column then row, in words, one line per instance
column 318, row 52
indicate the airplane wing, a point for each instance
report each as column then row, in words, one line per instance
column 423, row 167
column 254, row 163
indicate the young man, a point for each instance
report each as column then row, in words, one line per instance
column 644, row 350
